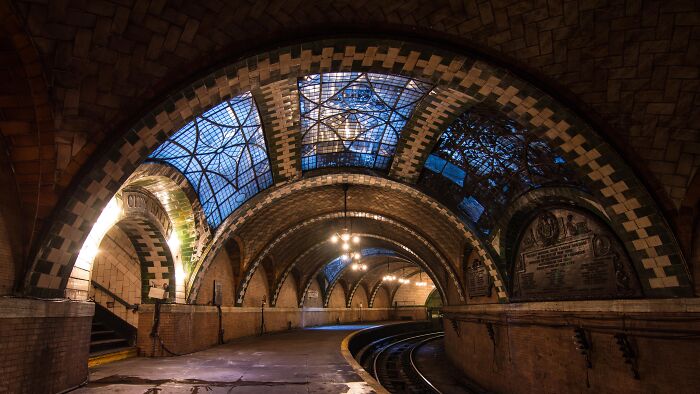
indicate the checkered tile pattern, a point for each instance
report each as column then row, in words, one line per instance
column 633, row 211
column 157, row 267
column 180, row 200
column 278, row 103
column 373, row 294
column 436, row 112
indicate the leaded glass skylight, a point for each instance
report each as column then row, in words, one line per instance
column 490, row 159
column 223, row 155
column 351, row 119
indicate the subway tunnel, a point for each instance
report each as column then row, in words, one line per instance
column 352, row 197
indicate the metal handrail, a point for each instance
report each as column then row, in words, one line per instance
column 120, row 300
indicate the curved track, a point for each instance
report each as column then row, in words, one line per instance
column 394, row 367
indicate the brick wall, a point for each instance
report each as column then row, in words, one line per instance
column 7, row 255
column 43, row 345
column 337, row 299
column 535, row 352
column 314, row 302
column 359, row 298
column 411, row 294
column 257, row 288
column 11, row 242
column 288, row 293
column 189, row 328
column 381, row 299
column 221, row 271
column 117, row 268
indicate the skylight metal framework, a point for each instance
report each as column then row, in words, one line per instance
column 223, row 155
column 493, row 159
column 351, row 119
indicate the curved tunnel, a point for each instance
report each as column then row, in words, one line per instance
column 460, row 177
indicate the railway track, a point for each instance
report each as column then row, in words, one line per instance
column 394, row 367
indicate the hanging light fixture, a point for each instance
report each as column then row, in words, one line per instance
column 420, row 282
column 388, row 277
column 403, row 280
column 349, row 242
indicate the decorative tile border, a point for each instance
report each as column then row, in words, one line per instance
column 157, row 266
column 649, row 238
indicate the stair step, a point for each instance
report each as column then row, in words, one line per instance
column 108, row 341
column 108, row 356
column 102, row 332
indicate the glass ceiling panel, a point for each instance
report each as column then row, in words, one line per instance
column 351, row 119
column 223, row 155
column 489, row 160
column 333, row 269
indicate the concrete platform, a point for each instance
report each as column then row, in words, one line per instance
column 300, row 361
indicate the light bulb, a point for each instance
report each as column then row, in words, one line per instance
column 364, row 267
column 357, row 255
column 334, row 238
column 346, row 246
column 345, row 257
column 356, row 239
column 345, row 237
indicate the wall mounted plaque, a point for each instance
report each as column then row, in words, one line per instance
column 567, row 254
column 478, row 279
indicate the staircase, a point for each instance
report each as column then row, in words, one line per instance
column 111, row 338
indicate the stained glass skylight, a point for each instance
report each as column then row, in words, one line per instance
column 489, row 160
column 351, row 119
column 223, row 155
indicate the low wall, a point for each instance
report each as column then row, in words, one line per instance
column 44, row 345
column 534, row 350
column 188, row 328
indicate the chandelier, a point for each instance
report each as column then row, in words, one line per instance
column 349, row 241
column 420, row 282
column 388, row 277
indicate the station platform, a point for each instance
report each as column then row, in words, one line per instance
column 300, row 361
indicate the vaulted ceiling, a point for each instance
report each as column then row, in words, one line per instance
column 104, row 84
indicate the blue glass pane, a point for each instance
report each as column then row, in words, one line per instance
column 454, row 173
column 435, row 163
column 222, row 153
column 494, row 159
column 332, row 269
column 354, row 119
column 471, row 208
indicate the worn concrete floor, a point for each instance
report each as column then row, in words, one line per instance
column 300, row 361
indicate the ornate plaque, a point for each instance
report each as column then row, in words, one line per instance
column 566, row 254
column 478, row 279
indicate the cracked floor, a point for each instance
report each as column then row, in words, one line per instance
column 300, row 361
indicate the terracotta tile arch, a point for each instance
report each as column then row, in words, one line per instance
column 37, row 153
column 414, row 257
column 623, row 195
column 182, row 204
column 434, row 253
column 355, row 285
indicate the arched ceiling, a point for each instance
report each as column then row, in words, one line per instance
column 462, row 80
column 107, row 62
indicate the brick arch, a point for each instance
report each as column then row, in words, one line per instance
column 537, row 197
column 446, row 266
column 263, row 200
column 27, row 126
column 373, row 294
column 156, row 260
column 178, row 198
column 622, row 193
column 417, row 259
column 357, row 284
